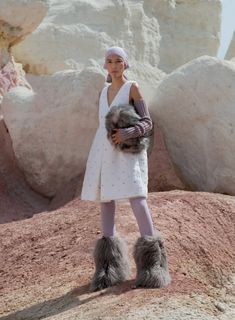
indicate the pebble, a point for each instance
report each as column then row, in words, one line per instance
column 220, row 306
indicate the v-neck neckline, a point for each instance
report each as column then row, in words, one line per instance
column 107, row 98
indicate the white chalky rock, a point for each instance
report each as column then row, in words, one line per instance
column 20, row 17
column 231, row 50
column 195, row 109
column 78, row 30
column 189, row 29
column 76, row 33
column 52, row 127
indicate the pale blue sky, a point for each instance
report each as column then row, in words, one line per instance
column 228, row 25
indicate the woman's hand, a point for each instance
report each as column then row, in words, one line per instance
column 116, row 137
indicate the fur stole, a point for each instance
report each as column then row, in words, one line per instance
column 124, row 116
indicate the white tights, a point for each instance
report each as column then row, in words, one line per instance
column 140, row 209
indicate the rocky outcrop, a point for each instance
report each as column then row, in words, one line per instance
column 194, row 106
column 188, row 29
column 75, row 32
column 17, row 19
column 52, row 127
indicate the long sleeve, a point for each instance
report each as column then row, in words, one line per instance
column 143, row 126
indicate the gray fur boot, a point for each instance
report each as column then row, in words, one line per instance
column 111, row 263
column 151, row 262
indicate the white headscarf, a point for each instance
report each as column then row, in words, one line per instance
column 118, row 51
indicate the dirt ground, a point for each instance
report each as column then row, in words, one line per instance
column 46, row 262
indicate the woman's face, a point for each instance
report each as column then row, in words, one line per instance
column 115, row 65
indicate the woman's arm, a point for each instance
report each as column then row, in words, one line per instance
column 143, row 126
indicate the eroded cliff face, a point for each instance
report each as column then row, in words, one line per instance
column 188, row 29
column 75, row 32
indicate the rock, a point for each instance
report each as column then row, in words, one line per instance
column 87, row 28
column 194, row 107
column 220, row 306
column 230, row 54
column 17, row 199
column 20, row 17
column 76, row 33
column 52, row 127
column 162, row 174
column 17, row 19
column 188, row 28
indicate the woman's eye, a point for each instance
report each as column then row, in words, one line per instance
column 118, row 61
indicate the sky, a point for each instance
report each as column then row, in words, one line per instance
column 228, row 25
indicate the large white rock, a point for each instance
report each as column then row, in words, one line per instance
column 195, row 109
column 230, row 54
column 52, row 127
column 189, row 29
column 20, row 17
column 76, row 31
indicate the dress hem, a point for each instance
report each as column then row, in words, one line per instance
column 116, row 199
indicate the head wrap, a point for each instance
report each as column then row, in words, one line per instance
column 118, row 51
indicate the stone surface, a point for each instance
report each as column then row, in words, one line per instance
column 17, row 199
column 52, row 127
column 195, row 110
column 20, row 17
column 163, row 176
column 76, row 33
column 188, row 28
column 230, row 54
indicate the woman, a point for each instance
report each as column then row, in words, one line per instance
column 112, row 175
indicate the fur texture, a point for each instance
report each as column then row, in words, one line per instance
column 111, row 263
column 151, row 262
column 125, row 116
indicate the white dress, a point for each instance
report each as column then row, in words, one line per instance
column 112, row 174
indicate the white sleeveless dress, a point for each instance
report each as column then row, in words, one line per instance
column 112, row 174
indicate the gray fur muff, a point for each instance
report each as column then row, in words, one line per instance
column 151, row 262
column 111, row 263
column 125, row 116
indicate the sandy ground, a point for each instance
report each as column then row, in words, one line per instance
column 46, row 262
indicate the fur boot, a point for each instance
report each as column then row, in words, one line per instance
column 111, row 262
column 151, row 262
